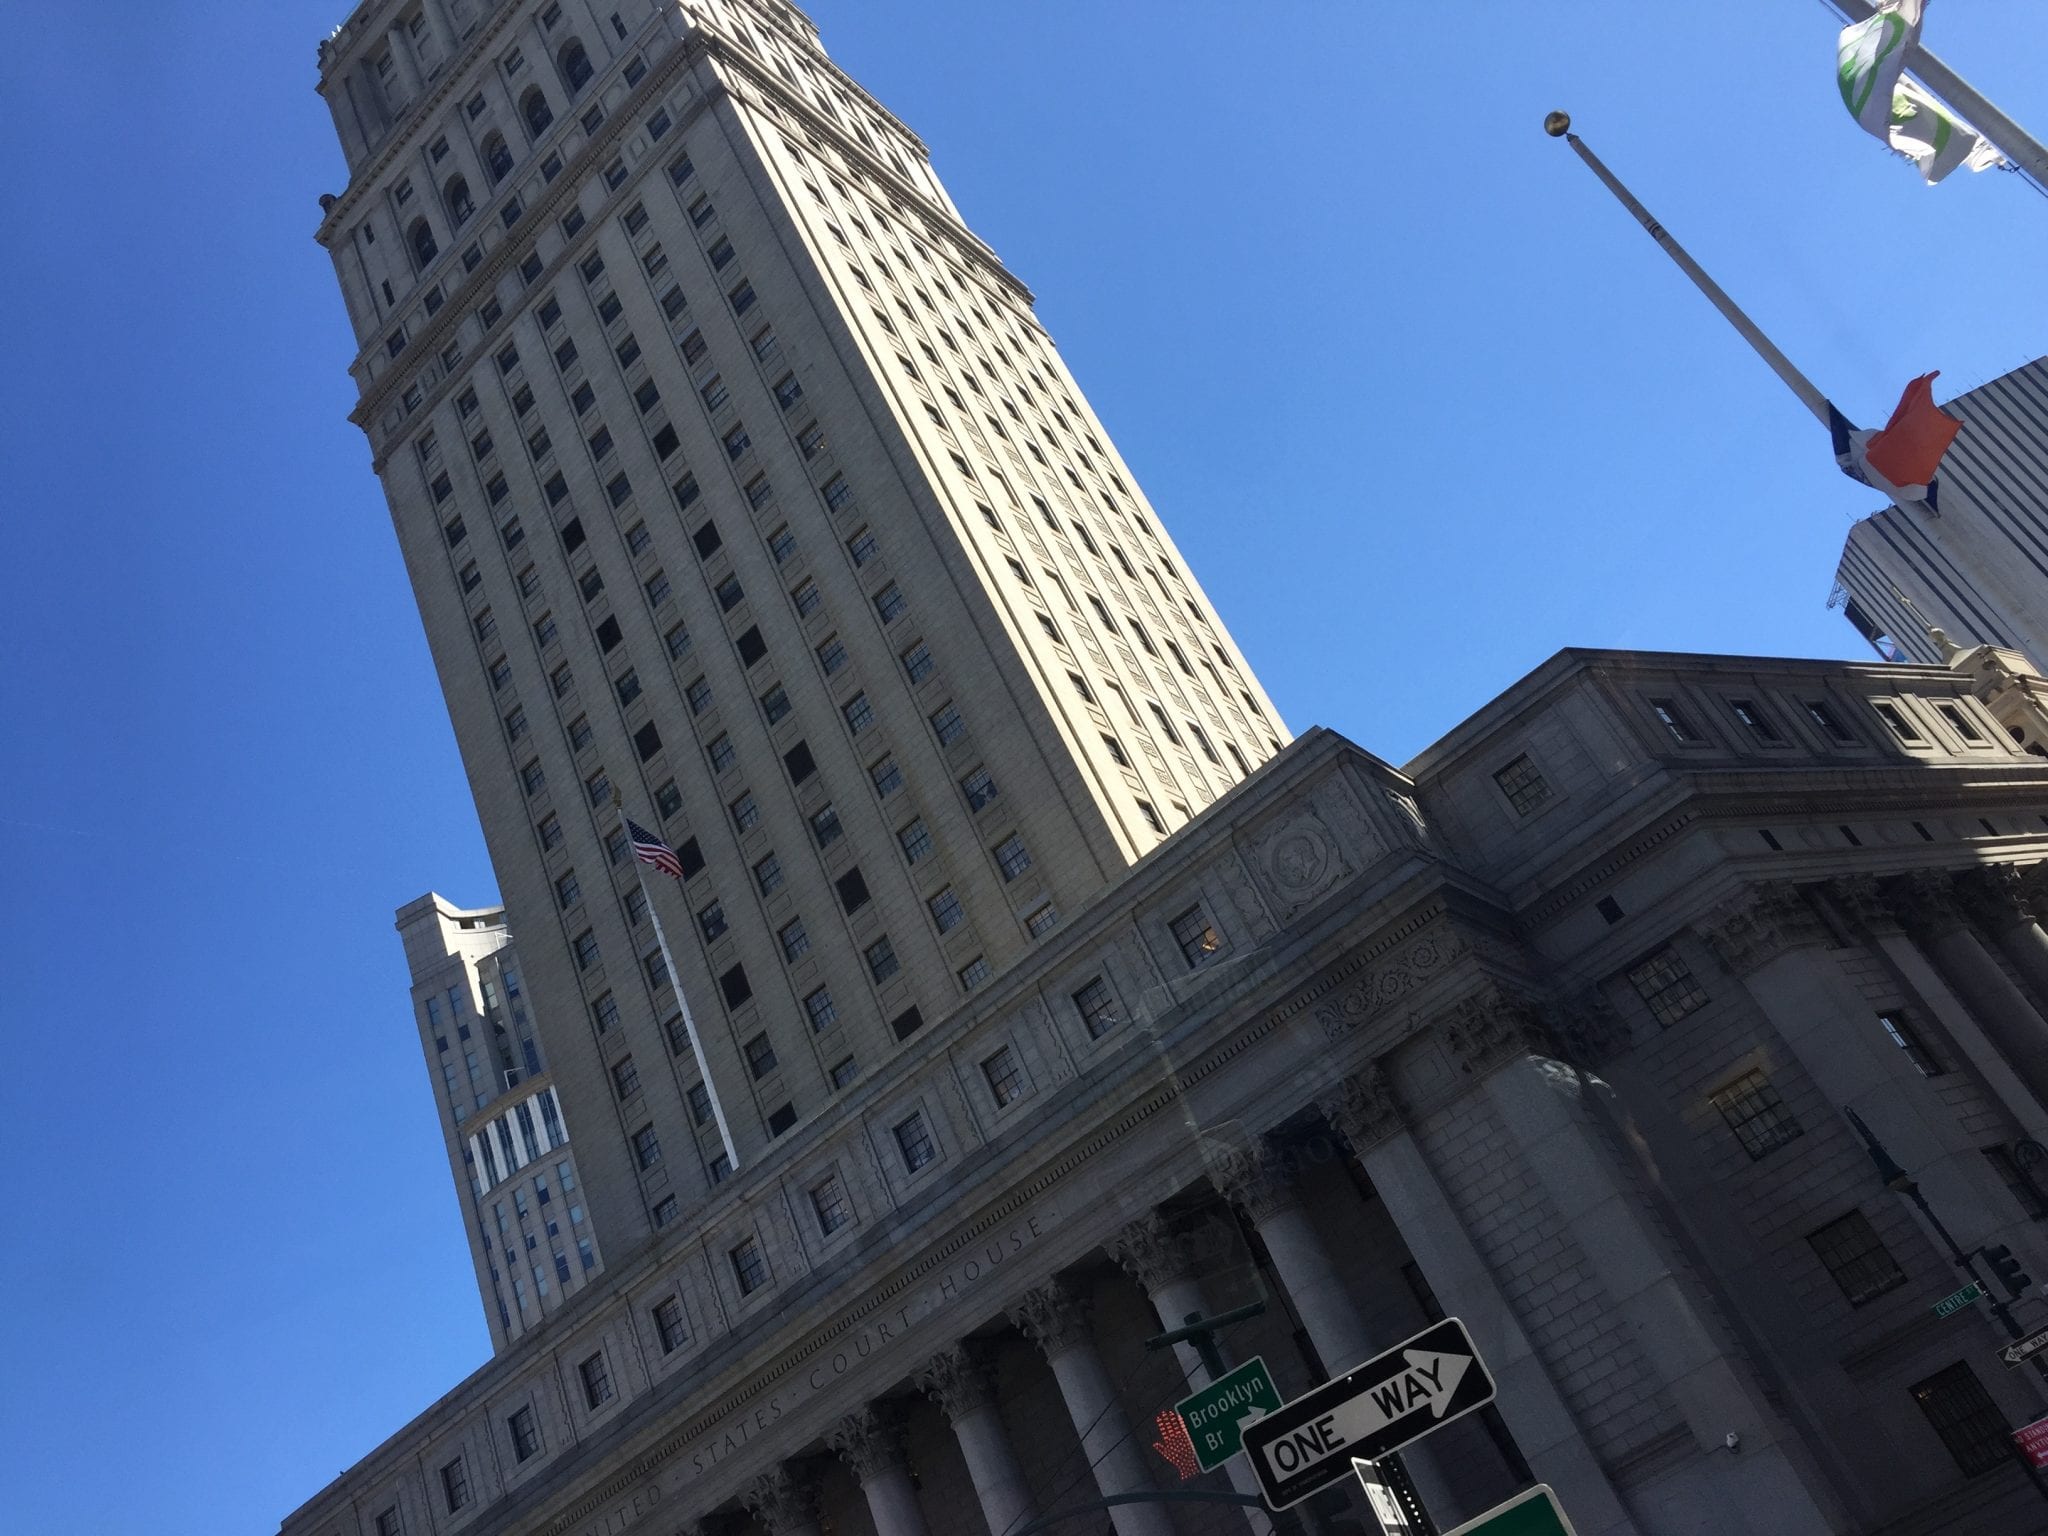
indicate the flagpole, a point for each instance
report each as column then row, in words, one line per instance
column 675, row 981
column 2011, row 140
column 1558, row 126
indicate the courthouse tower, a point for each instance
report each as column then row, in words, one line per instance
column 734, row 475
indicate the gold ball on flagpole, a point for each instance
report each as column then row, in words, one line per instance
column 1558, row 124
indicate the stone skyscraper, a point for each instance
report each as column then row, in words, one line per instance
column 735, row 475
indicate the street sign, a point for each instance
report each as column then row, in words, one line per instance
column 1215, row 1415
column 1368, row 1412
column 2025, row 1349
column 1957, row 1300
column 1532, row 1512
column 1379, row 1494
column 2033, row 1443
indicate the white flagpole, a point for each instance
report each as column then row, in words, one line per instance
column 1558, row 126
column 2006, row 136
column 675, row 982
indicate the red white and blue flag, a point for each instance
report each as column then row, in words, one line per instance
column 649, row 849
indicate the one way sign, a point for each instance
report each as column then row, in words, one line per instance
column 1368, row 1412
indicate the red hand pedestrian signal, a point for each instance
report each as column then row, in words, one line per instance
column 1173, row 1443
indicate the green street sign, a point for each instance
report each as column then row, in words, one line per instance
column 1215, row 1415
column 1956, row 1301
column 1532, row 1512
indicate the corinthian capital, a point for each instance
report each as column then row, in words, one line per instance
column 1054, row 1317
column 1363, row 1107
column 782, row 1499
column 1493, row 1027
column 956, row 1380
column 1862, row 900
column 1762, row 924
column 1151, row 1252
column 2000, row 895
column 1926, row 902
column 1255, row 1177
column 869, row 1440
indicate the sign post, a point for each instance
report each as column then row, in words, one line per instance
column 1216, row 1415
column 1370, row 1411
column 1532, row 1512
column 1382, row 1500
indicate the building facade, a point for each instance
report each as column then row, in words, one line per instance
column 737, row 481
column 1557, row 1030
column 1979, row 571
column 530, row 1233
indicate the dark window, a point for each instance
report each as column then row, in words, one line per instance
column 1758, row 723
column 1666, row 986
column 1666, row 711
column 1824, row 716
column 1908, row 1039
column 829, row 1201
column 700, row 1103
column 668, row 1325
column 1196, row 936
column 455, row 1485
column 1895, row 718
column 1013, row 858
column 749, row 1268
column 881, row 958
column 1005, row 1077
column 1097, row 1008
column 572, row 535
column 1856, row 1256
column 1960, row 722
column 782, row 1120
column 1523, row 785
column 819, row 1010
column 646, row 1147
column 914, row 1141
column 760, row 1056
column 608, row 635
column 735, row 987
column 853, row 890
column 751, row 646
column 1756, row 1115
column 729, row 592
column 1966, row 1418
column 979, row 788
column 597, row 1381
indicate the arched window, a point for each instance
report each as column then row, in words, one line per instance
column 575, row 66
column 536, row 111
column 424, row 250
column 497, row 158
column 460, row 204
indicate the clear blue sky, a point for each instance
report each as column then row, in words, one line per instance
column 1419, row 403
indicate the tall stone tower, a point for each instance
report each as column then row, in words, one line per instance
column 735, row 477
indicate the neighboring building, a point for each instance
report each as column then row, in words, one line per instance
column 530, row 1236
column 1979, row 571
column 736, row 477
column 1556, row 1030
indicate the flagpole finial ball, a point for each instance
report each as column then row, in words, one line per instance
column 1558, row 124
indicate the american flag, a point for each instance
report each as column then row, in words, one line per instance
column 649, row 849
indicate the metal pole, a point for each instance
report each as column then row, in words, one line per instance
column 1558, row 126
column 2017, row 145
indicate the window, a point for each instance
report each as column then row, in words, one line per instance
column 768, row 875
column 862, row 547
column 859, row 714
column 1960, row 722
column 811, row 440
column 735, row 987
column 946, row 910
column 719, row 1169
column 975, row 972
column 1042, row 922
column 388, row 1523
column 1116, row 751
column 1196, row 937
column 852, row 889
column 567, row 893
column 881, row 958
column 1005, row 1077
column 586, row 950
column 844, row 1072
column 787, row 390
column 1966, row 1418
column 749, row 1268
column 914, row 1141
column 890, row 603
column 828, row 1201
column 1097, row 1008
column 646, row 1147
column 1666, row 711
column 1756, row 1115
column 605, row 1014
column 668, row 1325
column 721, row 753
column 979, row 788
column 455, row 1485
column 760, row 1056
column 575, row 66
column 1666, row 987
column 795, row 942
column 1012, row 858
column 819, row 1010
column 1856, row 1256
column 698, row 693
column 742, row 298
column 729, row 592
column 775, row 703
column 947, row 724
column 807, row 599
column 781, row 1119
column 699, row 1098
column 1907, row 1038
column 825, row 827
column 837, row 493
column 678, row 641
column 1823, row 715
column 887, row 776
column 1754, row 719
column 799, row 762
column 782, row 544
column 832, row 655
column 916, row 841
column 525, row 1435
column 715, row 393
column 917, row 662
column 1523, row 785
column 597, row 1381
column 550, row 831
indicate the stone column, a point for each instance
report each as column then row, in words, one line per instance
column 1365, row 1109
column 1930, row 907
column 784, row 1501
column 870, row 1441
column 959, row 1383
column 2008, row 900
column 1500, row 1042
column 1151, row 1253
column 1055, row 1318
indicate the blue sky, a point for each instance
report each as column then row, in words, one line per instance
column 1418, row 402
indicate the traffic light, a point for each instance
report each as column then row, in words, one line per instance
column 2007, row 1269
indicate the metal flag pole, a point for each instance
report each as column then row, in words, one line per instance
column 2025, row 151
column 675, row 981
column 1558, row 125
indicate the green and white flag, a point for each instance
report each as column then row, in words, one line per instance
column 1871, row 66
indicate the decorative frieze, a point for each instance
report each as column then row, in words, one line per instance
column 783, row 1499
column 1420, row 960
column 1762, row 924
column 869, row 1440
column 1054, row 1316
column 958, row 1379
column 1364, row 1108
column 1151, row 1252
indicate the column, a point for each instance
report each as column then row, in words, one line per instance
column 1929, row 906
column 959, row 1383
column 783, row 1501
column 1366, row 1111
column 870, row 1441
column 2008, row 901
column 1149, row 1251
column 1055, row 1318
column 1542, row 1104
column 1258, row 1179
